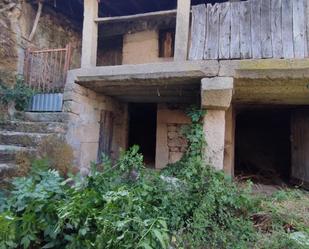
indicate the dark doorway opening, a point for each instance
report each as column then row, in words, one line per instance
column 263, row 145
column 142, row 130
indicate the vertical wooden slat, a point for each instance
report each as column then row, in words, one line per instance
column 299, row 28
column 106, row 133
column 266, row 29
column 256, row 29
column 212, row 40
column 276, row 28
column 287, row 29
column 198, row 32
column 235, row 31
column 245, row 30
column 306, row 14
column 225, row 31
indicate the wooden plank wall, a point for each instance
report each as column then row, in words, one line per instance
column 253, row 29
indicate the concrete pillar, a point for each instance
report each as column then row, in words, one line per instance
column 90, row 34
column 216, row 98
column 214, row 131
column 182, row 30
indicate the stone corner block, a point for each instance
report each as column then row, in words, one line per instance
column 217, row 93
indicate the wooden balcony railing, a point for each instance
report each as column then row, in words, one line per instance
column 253, row 29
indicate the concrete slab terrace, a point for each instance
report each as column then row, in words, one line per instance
column 284, row 82
column 154, row 82
column 256, row 81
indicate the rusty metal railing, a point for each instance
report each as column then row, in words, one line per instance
column 45, row 70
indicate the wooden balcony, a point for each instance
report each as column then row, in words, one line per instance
column 251, row 41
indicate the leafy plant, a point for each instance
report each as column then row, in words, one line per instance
column 131, row 160
column 20, row 94
column 124, row 205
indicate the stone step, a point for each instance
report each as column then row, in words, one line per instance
column 24, row 139
column 33, row 127
column 42, row 116
column 7, row 170
column 8, row 152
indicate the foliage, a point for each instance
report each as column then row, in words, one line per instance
column 20, row 94
column 124, row 205
column 131, row 160
column 32, row 208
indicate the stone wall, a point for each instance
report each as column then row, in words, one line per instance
column 8, row 42
column 84, row 107
column 141, row 47
column 170, row 142
column 53, row 31
column 176, row 142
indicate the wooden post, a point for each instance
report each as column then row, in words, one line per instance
column 90, row 34
column 307, row 18
column 182, row 30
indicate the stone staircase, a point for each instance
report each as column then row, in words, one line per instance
column 24, row 134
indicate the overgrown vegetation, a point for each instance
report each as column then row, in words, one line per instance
column 125, row 205
column 20, row 94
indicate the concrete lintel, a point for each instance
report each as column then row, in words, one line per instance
column 216, row 93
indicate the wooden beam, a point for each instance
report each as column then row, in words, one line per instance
column 157, row 14
column 90, row 34
column 182, row 30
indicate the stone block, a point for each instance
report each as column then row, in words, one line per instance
column 216, row 93
column 172, row 134
column 171, row 128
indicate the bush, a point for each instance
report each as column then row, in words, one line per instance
column 20, row 94
column 124, row 205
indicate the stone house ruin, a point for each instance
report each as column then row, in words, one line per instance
column 143, row 62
